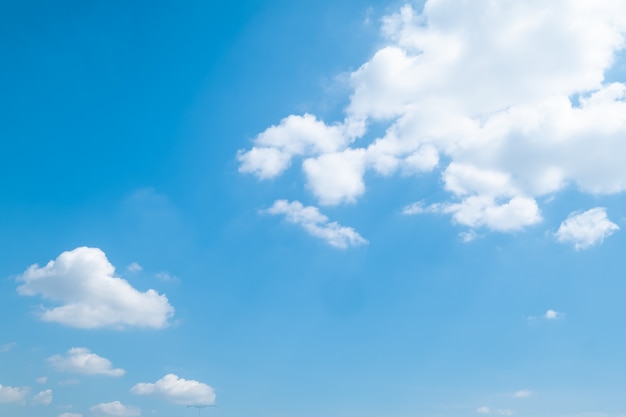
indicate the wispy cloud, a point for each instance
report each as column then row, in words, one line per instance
column 317, row 224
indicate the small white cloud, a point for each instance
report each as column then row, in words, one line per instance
column 7, row 347
column 42, row 398
column 316, row 224
column 469, row 236
column 134, row 267
column 166, row 277
column 525, row 393
column 553, row 315
column 83, row 361
column 82, row 281
column 584, row 230
column 483, row 410
column 177, row 390
column 42, row 380
column 67, row 382
column 13, row 394
column 116, row 409
column 70, row 415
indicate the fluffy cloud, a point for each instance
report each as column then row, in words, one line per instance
column 316, row 224
column 42, row 398
column 550, row 315
column 584, row 230
column 116, row 409
column 177, row 390
column 83, row 361
column 507, row 100
column 82, row 281
column 525, row 393
column 13, row 394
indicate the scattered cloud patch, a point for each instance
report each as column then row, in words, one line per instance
column 586, row 229
column 483, row 410
column 465, row 97
column 166, row 277
column 505, row 412
column 83, row 361
column 134, row 267
column 7, row 347
column 487, row 410
column 317, row 224
column 553, row 315
column 13, row 394
column 70, row 415
column 42, row 398
column 525, row 393
column 116, row 409
column 177, row 390
column 82, row 281
column 42, row 380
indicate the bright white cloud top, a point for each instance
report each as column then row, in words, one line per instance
column 506, row 100
column 82, row 281
column 586, row 229
column 116, row 409
column 317, row 224
column 83, row 361
column 177, row 390
column 42, row 398
column 13, row 394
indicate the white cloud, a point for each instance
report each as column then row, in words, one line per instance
column 508, row 99
column 70, row 415
column 584, row 230
column 177, row 390
column 483, row 410
column 525, row 393
column 134, row 267
column 42, row 380
column 42, row 398
column 83, row 361
column 7, row 347
column 82, row 281
column 13, row 394
column 316, row 224
column 552, row 315
column 116, row 409
column 166, row 277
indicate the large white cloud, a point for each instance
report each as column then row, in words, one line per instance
column 83, row 283
column 506, row 99
column 177, row 390
column 13, row 394
column 317, row 224
column 116, row 409
column 584, row 230
column 83, row 361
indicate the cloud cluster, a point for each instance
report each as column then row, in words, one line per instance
column 83, row 361
column 115, row 409
column 82, row 281
column 13, row 394
column 507, row 100
column 586, row 229
column 177, row 390
column 316, row 224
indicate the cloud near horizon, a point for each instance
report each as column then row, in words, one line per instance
column 83, row 282
column 506, row 101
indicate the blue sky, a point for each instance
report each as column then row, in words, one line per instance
column 355, row 208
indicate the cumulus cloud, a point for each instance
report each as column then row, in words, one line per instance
column 83, row 282
column 116, row 409
column 525, row 393
column 550, row 315
column 177, row 390
column 83, row 361
column 42, row 398
column 586, row 229
column 13, row 394
column 506, row 100
column 317, row 224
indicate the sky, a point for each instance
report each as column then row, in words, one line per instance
column 286, row 208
